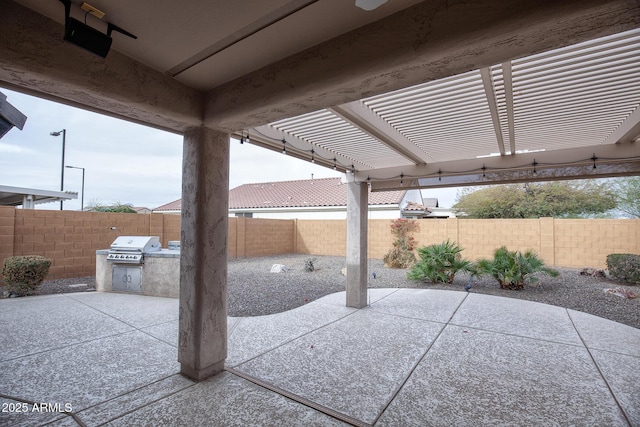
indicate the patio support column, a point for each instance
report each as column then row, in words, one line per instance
column 202, row 345
column 357, row 204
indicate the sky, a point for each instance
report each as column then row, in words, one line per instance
column 126, row 162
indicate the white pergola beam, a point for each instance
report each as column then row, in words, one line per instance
column 490, row 93
column 573, row 163
column 370, row 123
column 268, row 137
column 507, row 76
column 629, row 129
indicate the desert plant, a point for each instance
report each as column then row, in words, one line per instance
column 625, row 267
column 439, row 263
column 308, row 265
column 23, row 274
column 401, row 255
column 513, row 269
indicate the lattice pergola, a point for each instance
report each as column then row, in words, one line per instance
column 556, row 115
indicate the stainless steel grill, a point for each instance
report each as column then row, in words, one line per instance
column 131, row 249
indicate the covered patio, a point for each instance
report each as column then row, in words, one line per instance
column 418, row 94
column 411, row 357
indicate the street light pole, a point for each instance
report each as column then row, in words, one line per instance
column 82, row 197
column 64, row 140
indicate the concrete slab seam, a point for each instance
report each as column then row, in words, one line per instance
column 327, row 304
column 32, row 403
column 100, row 311
column 369, row 303
column 415, row 366
column 235, row 325
column 299, row 399
column 293, row 339
column 71, row 345
column 415, row 319
column 615, row 398
column 516, row 335
column 132, row 410
column 475, row 328
column 128, row 324
column 157, row 338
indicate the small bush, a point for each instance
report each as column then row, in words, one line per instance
column 308, row 265
column 624, row 267
column 401, row 256
column 439, row 263
column 23, row 274
column 513, row 269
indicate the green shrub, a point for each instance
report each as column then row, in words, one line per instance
column 625, row 267
column 513, row 269
column 439, row 263
column 401, row 256
column 23, row 274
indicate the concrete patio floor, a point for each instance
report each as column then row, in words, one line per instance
column 413, row 357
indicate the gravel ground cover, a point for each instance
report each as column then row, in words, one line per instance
column 254, row 291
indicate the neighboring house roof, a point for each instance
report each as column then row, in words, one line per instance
column 416, row 207
column 176, row 205
column 141, row 209
column 300, row 193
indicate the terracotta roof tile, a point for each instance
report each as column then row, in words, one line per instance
column 301, row 193
column 413, row 206
column 176, row 205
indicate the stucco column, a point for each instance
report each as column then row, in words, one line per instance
column 357, row 204
column 202, row 346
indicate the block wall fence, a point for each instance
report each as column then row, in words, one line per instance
column 70, row 239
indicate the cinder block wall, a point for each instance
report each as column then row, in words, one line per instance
column 560, row 242
column 588, row 242
column 264, row 237
column 480, row 238
column 171, row 228
column 321, row 237
column 7, row 232
column 71, row 238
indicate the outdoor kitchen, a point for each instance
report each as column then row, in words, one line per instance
column 138, row 264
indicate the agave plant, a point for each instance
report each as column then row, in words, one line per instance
column 439, row 263
column 513, row 269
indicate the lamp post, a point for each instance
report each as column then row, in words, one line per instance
column 64, row 140
column 82, row 197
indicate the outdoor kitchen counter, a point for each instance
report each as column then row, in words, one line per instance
column 160, row 273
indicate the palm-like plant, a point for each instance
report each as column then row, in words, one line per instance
column 439, row 263
column 513, row 269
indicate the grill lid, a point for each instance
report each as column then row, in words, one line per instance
column 136, row 244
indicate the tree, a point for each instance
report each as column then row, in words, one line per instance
column 627, row 191
column 535, row 200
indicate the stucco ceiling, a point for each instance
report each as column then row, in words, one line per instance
column 204, row 43
column 412, row 94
